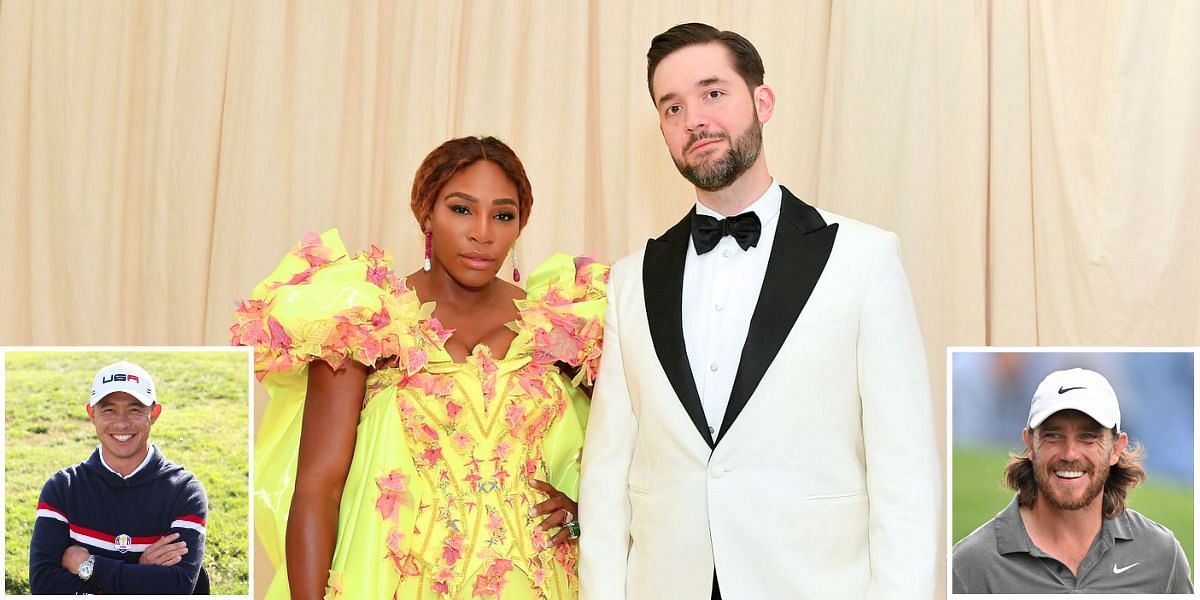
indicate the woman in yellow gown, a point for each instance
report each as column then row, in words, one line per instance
column 420, row 427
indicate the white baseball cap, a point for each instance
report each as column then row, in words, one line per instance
column 1079, row 389
column 125, row 377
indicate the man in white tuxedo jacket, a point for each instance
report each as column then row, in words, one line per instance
column 761, row 426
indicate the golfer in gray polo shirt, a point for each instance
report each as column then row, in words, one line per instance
column 1068, row 530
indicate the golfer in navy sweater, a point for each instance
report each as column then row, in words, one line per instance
column 126, row 521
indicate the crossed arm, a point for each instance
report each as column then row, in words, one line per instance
column 170, row 565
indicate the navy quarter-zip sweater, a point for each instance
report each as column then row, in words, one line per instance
column 116, row 520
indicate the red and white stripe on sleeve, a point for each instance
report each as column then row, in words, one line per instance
column 189, row 522
column 45, row 510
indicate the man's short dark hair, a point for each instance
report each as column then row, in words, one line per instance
column 746, row 60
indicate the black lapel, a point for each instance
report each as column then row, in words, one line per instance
column 802, row 245
column 662, row 283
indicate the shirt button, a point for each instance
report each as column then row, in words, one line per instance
column 713, row 367
column 719, row 307
column 727, row 253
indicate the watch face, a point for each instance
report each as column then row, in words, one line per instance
column 85, row 569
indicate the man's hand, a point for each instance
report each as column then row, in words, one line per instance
column 163, row 552
column 73, row 557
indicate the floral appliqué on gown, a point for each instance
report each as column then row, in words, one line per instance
column 436, row 502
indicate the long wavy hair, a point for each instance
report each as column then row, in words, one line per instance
column 1122, row 477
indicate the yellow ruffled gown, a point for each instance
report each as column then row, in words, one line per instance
column 436, row 503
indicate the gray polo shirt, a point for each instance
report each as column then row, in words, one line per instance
column 1131, row 554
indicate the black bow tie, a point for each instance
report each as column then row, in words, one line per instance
column 707, row 231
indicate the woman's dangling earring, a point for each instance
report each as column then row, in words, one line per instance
column 516, row 271
column 428, row 249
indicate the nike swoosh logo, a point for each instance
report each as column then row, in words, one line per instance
column 1063, row 390
column 1117, row 571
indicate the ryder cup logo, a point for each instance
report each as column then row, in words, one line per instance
column 123, row 543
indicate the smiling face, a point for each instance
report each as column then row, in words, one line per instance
column 123, row 423
column 474, row 223
column 1072, row 455
column 710, row 120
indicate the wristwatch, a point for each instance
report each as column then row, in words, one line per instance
column 85, row 568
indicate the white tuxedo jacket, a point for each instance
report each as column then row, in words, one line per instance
column 823, row 481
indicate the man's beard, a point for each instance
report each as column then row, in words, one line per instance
column 720, row 173
column 1045, row 485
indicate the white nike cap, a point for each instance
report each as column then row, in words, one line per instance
column 125, row 377
column 1079, row 389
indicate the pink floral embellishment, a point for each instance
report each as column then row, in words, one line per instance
column 460, row 439
column 515, row 414
column 559, row 343
column 377, row 274
column 430, row 384
column 535, row 428
column 406, row 407
column 431, row 455
column 452, row 410
column 395, row 542
column 441, row 583
column 417, row 359
column 426, row 433
column 279, row 336
column 403, row 561
column 381, row 319
column 492, row 582
column 452, row 550
column 392, row 495
column 540, row 541
column 487, row 371
column 432, row 332
column 531, row 377
column 580, row 263
column 494, row 522
column 554, row 297
column 375, row 253
column 313, row 249
column 248, row 330
column 301, row 277
column 564, row 554
column 473, row 480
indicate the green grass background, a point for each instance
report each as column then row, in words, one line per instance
column 979, row 495
column 203, row 426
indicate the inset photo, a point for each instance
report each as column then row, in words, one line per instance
column 127, row 471
column 1072, row 471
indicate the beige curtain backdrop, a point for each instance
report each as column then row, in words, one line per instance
column 1039, row 160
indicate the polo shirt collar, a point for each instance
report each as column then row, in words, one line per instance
column 1011, row 535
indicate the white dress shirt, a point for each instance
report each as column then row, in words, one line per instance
column 720, row 291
